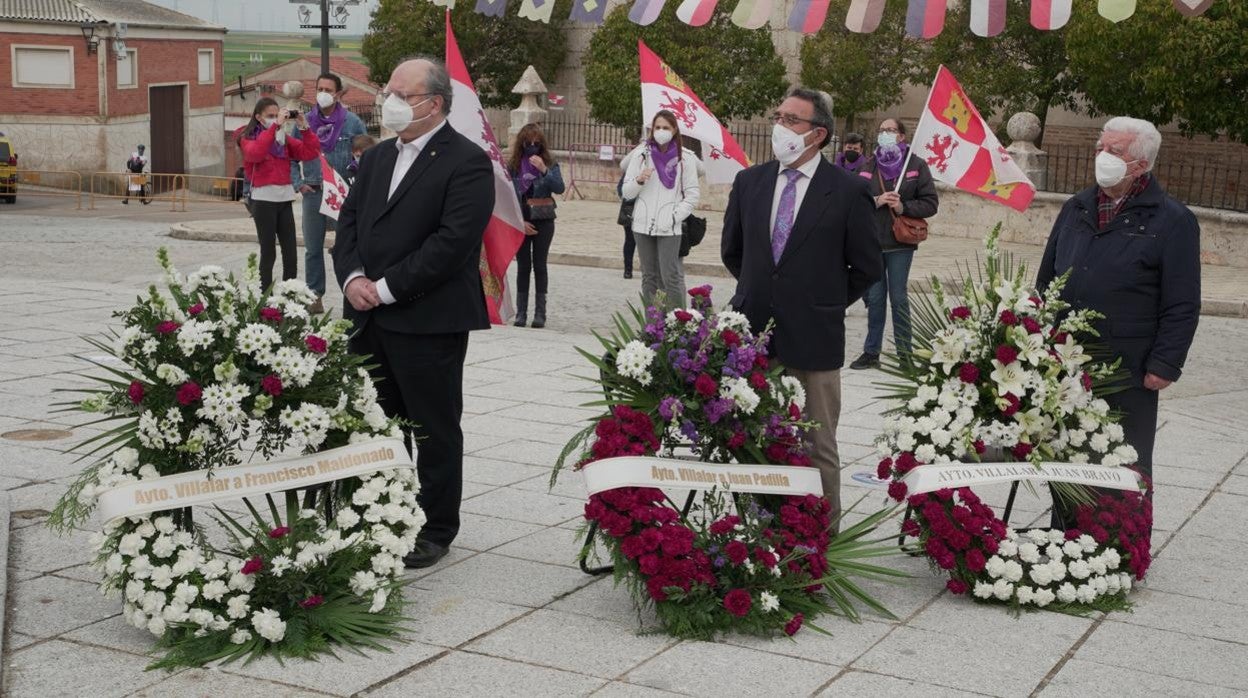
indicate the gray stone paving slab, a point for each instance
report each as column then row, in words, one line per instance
column 1223, row 517
column 352, row 674
column 211, row 683
column 56, row 668
column 1177, row 655
column 554, row 546
column 1174, row 506
column 1186, row 614
column 450, row 618
column 604, row 600
column 481, row 467
column 507, row 579
column 485, row 532
column 44, row 550
column 1196, row 565
column 523, row 505
column 707, row 669
column 862, row 683
column 116, row 634
column 1079, row 678
column 470, row 674
column 1235, row 484
column 846, row 641
column 573, row 643
column 618, row 689
column 49, row 606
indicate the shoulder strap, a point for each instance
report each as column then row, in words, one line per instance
column 880, row 177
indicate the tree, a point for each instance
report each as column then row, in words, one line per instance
column 1161, row 66
column 496, row 49
column 316, row 42
column 863, row 72
column 1020, row 69
column 736, row 72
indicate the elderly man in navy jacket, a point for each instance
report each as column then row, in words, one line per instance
column 1133, row 253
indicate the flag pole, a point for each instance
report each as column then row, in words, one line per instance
column 910, row 151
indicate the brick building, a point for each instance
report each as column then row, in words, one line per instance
column 80, row 81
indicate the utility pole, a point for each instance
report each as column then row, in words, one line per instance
column 324, row 36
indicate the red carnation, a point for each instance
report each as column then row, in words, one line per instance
column 312, row 601
column 684, row 315
column 737, row 440
column 957, row 586
column 315, row 344
column 271, row 314
column 271, row 384
column 968, row 373
column 1008, row 318
column 737, row 552
column 195, row 309
column 760, row 361
column 1007, row 354
column 960, row 313
column 705, row 385
column 738, row 602
column 730, row 338
column 794, row 624
column 795, row 412
column 910, row 527
column 758, row 381
column 905, row 463
column 189, row 392
column 897, row 490
column 1086, row 381
column 279, row 532
column 704, row 291
column 975, row 560
column 167, row 327
column 884, row 469
column 1031, row 325
column 1013, row 406
column 979, row 446
column 253, row 565
column 136, row 392
column 1021, row 450
column 724, row 525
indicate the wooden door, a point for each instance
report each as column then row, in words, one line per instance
column 168, row 133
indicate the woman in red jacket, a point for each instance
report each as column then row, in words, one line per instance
column 267, row 152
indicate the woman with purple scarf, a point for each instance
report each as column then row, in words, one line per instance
column 536, row 178
column 267, row 156
column 662, row 178
column 916, row 198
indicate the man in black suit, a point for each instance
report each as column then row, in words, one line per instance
column 1133, row 255
column 799, row 236
column 406, row 255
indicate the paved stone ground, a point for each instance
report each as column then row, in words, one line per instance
column 508, row 612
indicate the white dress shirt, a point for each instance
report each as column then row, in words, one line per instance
column 803, row 183
column 408, row 152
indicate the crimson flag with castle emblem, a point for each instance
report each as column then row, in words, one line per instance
column 333, row 190
column 960, row 148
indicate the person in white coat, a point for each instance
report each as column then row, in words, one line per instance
column 662, row 178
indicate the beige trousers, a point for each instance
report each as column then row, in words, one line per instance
column 823, row 405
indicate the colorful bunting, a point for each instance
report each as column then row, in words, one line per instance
column 751, row 14
column 925, row 18
column 491, row 8
column 864, row 16
column 808, row 16
column 696, row 13
column 537, row 10
column 1047, row 15
column 644, row 12
column 987, row 17
column 588, row 11
column 1192, row 8
column 1115, row 10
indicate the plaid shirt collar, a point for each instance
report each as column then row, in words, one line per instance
column 1107, row 209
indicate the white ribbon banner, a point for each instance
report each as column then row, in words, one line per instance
column 638, row 471
column 929, row 478
column 207, row 486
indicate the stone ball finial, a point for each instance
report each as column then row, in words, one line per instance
column 293, row 89
column 530, row 83
column 1023, row 126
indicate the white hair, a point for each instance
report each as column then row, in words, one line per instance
column 1147, row 138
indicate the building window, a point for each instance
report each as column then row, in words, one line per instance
column 207, row 58
column 128, row 69
column 41, row 66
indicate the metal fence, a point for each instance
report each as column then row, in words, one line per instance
column 1204, row 182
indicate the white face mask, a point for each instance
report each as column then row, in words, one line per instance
column 787, row 145
column 396, row 113
column 1110, row 169
column 885, row 138
column 324, row 100
column 267, row 123
column 662, row 136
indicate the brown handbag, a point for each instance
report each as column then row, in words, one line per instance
column 541, row 209
column 906, row 230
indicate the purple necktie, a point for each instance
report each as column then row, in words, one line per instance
column 784, row 215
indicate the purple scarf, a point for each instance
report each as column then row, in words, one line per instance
column 850, row 166
column 327, row 128
column 277, row 150
column 523, row 180
column 665, row 162
column 889, row 159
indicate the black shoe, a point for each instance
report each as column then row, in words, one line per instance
column 425, row 554
column 628, row 273
column 522, row 309
column 867, row 360
column 539, row 312
column 125, row 202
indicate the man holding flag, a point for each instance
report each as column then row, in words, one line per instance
column 407, row 255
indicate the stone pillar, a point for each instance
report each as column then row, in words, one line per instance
column 529, row 112
column 1023, row 130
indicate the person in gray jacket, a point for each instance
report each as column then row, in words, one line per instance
column 915, row 198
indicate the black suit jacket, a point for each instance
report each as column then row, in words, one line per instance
column 425, row 240
column 1142, row 272
column 832, row 256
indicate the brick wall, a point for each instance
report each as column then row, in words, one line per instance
column 165, row 61
column 82, row 100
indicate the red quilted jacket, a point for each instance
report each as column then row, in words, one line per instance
column 264, row 168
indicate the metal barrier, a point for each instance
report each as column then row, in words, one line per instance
column 210, row 189
column 598, row 173
column 156, row 186
column 50, row 183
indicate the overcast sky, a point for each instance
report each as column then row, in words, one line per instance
column 266, row 15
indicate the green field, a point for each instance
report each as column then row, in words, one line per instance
column 278, row 48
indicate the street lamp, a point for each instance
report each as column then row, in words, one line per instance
column 88, row 33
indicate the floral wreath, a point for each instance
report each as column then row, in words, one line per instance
column 998, row 370
column 701, row 379
column 217, row 372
